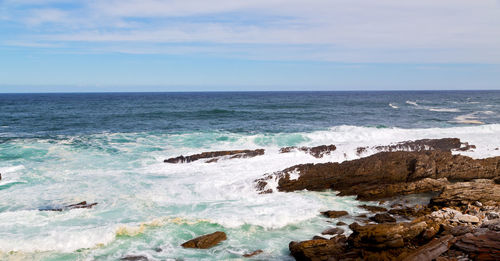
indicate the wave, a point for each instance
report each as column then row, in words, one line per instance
column 444, row 109
column 393, row 106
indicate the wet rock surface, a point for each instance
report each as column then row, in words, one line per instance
column 206, row 241
column 317, row 152
column 215, row 155
column 446, row 144
column 461, row 222
column 334, row 213
column 82, row 204
column 254, row 253
column 385, row 174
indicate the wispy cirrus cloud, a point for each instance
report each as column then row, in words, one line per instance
column 332, row 30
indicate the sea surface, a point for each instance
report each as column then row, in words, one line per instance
column 60, row 149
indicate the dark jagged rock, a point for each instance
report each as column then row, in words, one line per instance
column 465, row 193
column 134, row 258
column 82, row 204
column 373, row 209
column 383, row 218
column 206, row 241
column 317, row 152
column 480, row 245
column 333, row 231
column 431, row 250
column 215, row 154
column 386, row 174
column 254, row 253
column 446, row 144
column 334, row 213
column 317, row 249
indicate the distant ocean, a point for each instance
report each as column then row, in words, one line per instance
column 59, row 149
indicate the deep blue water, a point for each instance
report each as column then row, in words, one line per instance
column 24, row 115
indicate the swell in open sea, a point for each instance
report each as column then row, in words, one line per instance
column 59, row 149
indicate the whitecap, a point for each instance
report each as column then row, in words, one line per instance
column 393, row 106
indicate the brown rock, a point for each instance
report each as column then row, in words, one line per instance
column 383, row 218
column 340, row 223
column 431, row 250
column 383, row 236
column 333, row 231
column 386, row 174
column 373, row 208
column 446, row 144
column 317, row 152
column 316, row 249
column 206, row 241
column 254, row 253
column 481, row 245
column 334, row 213
column 215, row 154
column 465, row 193
column 411, row 211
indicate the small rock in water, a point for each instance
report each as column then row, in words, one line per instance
column 134, row 258
column 333, row 231
column 256, row 252
column 340, row 223
column 0, row 176
column 373, row 208
column 206, row 241
column 383, row 218
column 82, row 204
column 334, row 213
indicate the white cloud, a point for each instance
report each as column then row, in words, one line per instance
column 458, row 30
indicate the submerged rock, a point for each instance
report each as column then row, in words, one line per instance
column 254, row 253
column 333, row 231
column 205, row 241
column 317, row 152
column 82, row 204
column 134, row 258
column 216, row 154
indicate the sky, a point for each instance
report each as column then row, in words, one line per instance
column 248, row 45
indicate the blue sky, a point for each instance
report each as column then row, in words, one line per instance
column 242, row 45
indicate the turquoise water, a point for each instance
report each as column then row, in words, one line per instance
column 61, row 149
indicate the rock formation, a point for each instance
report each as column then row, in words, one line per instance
column 214, row 155
column 317, row 152
column 205, row 241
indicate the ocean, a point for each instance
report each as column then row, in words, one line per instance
column 60, row 149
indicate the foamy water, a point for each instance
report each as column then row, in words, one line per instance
column 144, row 204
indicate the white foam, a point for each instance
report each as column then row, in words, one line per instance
column 444, row 109
column 393, row 106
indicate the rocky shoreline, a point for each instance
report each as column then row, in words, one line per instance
column 460, row 221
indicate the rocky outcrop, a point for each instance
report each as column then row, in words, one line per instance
column 373, row 208
column 431, row 250
column 318, row 249
column 483, row 244
column 383, row 218
column 206, row 241
column 317, row 152
column 215, row 155
column 465, row 193
column 385, row 174
column 446, row 144
column 335, row 213
column 82, row 204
